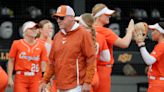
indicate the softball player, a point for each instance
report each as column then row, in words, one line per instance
column 25, row 58
column 3, row 80
column 155, row 59
column 45, row 37
column 102, row 51
column 102, row 14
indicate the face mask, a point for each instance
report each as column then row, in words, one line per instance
column 115, row 28
column 155, row 14
column 34, row 11
column 6, row 30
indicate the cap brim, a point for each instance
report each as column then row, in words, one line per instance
column 56, row 15
column 109, row 12
column 37, row 26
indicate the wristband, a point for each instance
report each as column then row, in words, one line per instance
column 141, row 46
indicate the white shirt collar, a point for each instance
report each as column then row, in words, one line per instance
column 76, row 25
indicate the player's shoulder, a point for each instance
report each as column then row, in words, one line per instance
column 17, row 41
column 40, row 44
column 160, row 46
column 82, row 31
column 40, row 41
column 100, row 35
column 103, row 30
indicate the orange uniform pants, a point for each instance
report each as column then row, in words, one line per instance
column 3, row 80
column 156, row 86
column 24, row 83
column 104, row 74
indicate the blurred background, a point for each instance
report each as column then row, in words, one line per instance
column 129, row 70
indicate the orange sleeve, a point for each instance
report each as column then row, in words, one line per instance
column 158, row 52
column 48, row 73
column 111, row 37
column 90, row 53
column 13, row 50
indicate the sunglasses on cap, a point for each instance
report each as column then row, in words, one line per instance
column 58, row 17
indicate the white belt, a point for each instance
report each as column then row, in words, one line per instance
column 109, row 65
column 76, row 89
column 154, row 78
column 26, row 73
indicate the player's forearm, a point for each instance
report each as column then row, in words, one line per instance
column 148, row 59
column 127, row 38
column 10, row 67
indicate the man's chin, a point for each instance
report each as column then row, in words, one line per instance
column 61, row 27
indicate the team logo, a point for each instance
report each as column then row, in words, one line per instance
column 23, row 55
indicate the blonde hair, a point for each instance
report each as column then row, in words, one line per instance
column 89, row 20
column 97, row 8
column 41, row 24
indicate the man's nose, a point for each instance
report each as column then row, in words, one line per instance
column 58, row 20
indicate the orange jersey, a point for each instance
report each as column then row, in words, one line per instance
column 27, row 57
column 46, row 44
column 110, row 37
column 157, row 68
column 102, row 47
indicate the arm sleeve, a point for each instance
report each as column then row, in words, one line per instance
column 48, row 73
column 89, row 51
column 148, row 59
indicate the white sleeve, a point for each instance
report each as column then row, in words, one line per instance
column 148, row 59
column 48, row 48
column 105, row 55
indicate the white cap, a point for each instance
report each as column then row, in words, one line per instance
column 64, row 10
column 157, row 27
column 28, row 24
column 80, row 19
column 104, row 11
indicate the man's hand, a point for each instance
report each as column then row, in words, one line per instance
column 42, row 87
column 10, row 82
column 86, row 87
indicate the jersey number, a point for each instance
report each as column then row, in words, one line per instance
column 35, row 68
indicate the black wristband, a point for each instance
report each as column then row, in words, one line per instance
column 141, row 46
